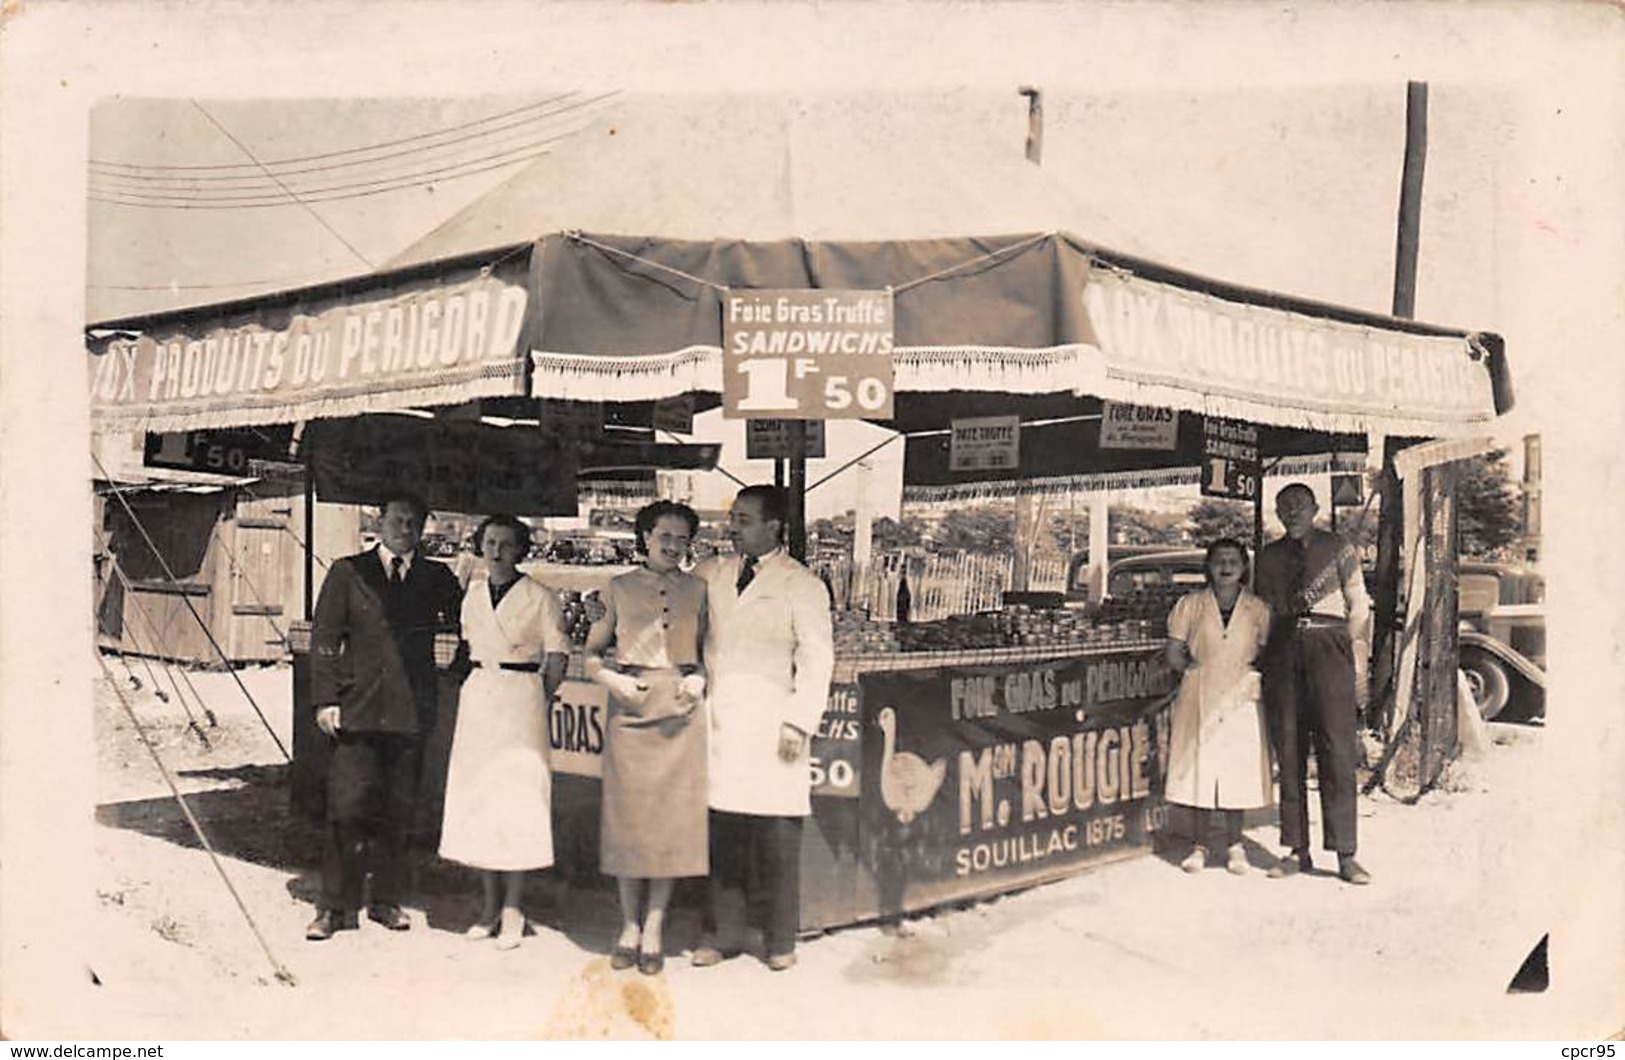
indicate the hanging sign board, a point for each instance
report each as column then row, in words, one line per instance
column 1230, row 465
column 807, row 354
column 770, row 439
column 220, row 452
column 457, row 467
column 985, row 443
column 404, row 343
column 675, row 414
column 1348, row 490
column 1138, row 427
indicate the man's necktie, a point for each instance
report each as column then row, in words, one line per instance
column 747, row 573
column 396, row 577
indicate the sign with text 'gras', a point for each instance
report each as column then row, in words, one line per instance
column 807, row 354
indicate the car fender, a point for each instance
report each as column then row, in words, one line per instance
column 1472, row 638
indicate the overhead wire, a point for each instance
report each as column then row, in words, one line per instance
column 412, row 152
column 352, row 150
column 282, row 974
column 308, row 209
column 510, row 157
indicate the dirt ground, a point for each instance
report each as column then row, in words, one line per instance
column 1134, row 949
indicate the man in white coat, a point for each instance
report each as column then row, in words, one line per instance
column 769, row 654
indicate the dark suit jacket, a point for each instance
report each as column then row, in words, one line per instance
column 372, row 645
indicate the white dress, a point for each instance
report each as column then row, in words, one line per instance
column 498, row 811
column 1219, row 754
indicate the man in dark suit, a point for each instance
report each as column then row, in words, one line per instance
column 373, row 685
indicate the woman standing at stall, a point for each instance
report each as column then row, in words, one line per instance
column 1218, row 760
column 498, row 812
column 654, row 786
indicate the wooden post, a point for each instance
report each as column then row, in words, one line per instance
column 797, row 487
column 1410, row 199
column 310, row 534
column 1390, row 524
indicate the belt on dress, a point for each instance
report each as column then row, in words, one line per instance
column 516, row 667
column 1320, row 622
column 634, row 669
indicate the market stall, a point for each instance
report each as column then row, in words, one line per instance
column 957, row 762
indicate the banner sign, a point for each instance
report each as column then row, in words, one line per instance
column 427, row 343
column 770, row 439
column 220, row 452
column 985, row 443
column 1138, row 427
column 1155, row 333
column 1230, row 466
column 837, row 746
column 807, row 354
column 456, row 466
column 577, row 721
column 984, row 778
column 579, row 718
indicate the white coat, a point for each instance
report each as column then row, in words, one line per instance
column 1219, row 754
column 769, row 654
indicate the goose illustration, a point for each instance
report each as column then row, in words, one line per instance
column 907, row 782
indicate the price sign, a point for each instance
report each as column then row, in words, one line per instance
column 1229, row 459
column 219, row 452
column 807, row 354
column 1137, row 427
column 985, row 443
column 768, row 439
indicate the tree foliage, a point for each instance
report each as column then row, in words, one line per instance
column 889, row 534
column 1136, row 526
column 988, row 528
column 1212, row 519
column 1489, row 508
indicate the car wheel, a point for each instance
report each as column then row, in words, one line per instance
column 1491, row 687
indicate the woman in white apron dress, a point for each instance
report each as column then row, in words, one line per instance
column 498, row 811
column 1219, row 759
column 653, row 823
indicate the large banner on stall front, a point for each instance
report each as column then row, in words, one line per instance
column 456, row 466
column 427, row 342
column 984, row 778
column 1158, row 334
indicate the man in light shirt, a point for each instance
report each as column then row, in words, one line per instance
column 1320, row 632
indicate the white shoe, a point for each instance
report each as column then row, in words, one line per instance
column 1237, row 862
column 482, row 930
column 512, row 930
column 1195, row 861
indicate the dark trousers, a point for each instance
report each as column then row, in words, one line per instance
column 1309, row 696
column 372, row 785
column 760, row 856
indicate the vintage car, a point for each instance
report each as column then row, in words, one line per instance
column 1503, row 639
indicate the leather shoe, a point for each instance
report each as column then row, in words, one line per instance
column 1290, row 865
column 622, row 957
column 778, row 962
column 390, row 916
column 329, row 922
column 651, row 963
column 705, row 955
column 1351, row 872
